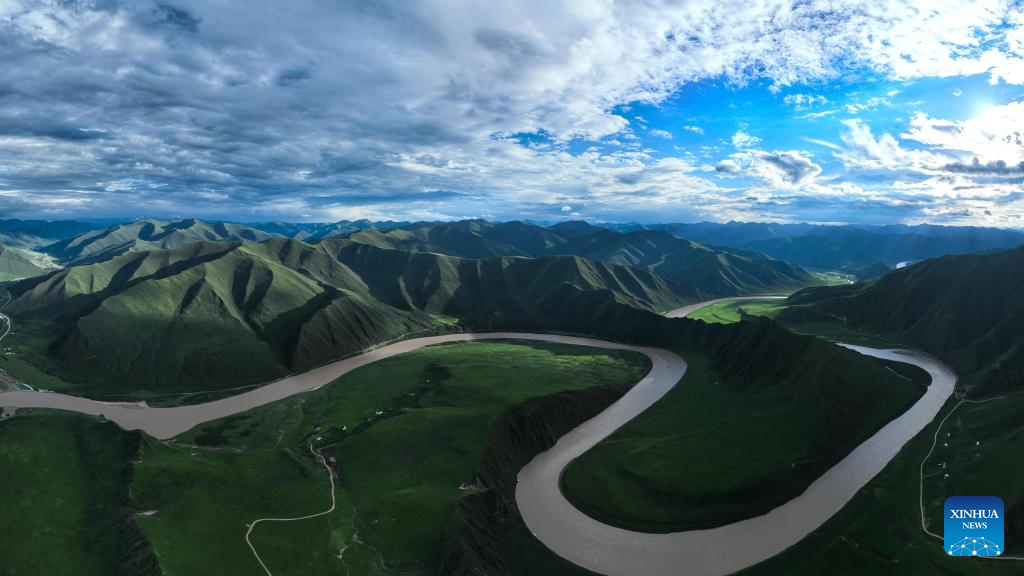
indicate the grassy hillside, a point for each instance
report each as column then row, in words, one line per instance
column 968, row 309
column 204, row 316
column 736, row 310
column 759, row 415
column 879, row 531
column 711, row 271
column 66, row 497
column 217, row 315
column 470, row 288
column 16, row 264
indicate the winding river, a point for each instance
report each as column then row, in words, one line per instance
column 564, row 529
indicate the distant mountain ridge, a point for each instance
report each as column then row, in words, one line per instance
column 849, row 247
column 34, row 234
column 714, row 272
column 711, row 271
column 142, row 235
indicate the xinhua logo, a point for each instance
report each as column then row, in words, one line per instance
column 974, row 526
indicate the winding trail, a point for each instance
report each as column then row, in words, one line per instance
column 307, row 517
column 5, row 299
column 564, row 529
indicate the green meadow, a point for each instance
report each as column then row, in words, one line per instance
column 61, row 504
column 404, row 436
column 708, row 454
column 734, row 310
column 879, row 531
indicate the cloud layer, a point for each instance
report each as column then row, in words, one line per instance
column 326, row 110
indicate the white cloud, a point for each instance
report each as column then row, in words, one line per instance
column 743, row 140
column 870, row 104
column 802, row 101
column 403, row 106
column 662, row 134
column 864, row 150
column 694, row 129
column 994, row 135
column 778, row 169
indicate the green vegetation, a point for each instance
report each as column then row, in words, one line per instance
column 405, row 437
column 734, row 310
column 879, row 531
column 711, row 271
column 967, row 310
column 102, row 244
column 214, row 316
column 15, row 264
column 64, row 492
column 719, row 448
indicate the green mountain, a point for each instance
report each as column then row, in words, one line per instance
column 712, row 271
column 967, row 309
column 206, row 315
column 526, row 290
column 15, row 264
column 101, row 244
column 213, row 315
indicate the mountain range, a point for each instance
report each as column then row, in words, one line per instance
column 221, row 314
column 847, row 248
column 967, row 309
column 712, row 271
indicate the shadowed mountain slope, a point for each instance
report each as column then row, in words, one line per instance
column 712, row 271
column 220, row 314
column 15, row 264
column 968, row 309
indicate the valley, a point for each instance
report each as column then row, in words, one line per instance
column 518, row 288
column 780, row 420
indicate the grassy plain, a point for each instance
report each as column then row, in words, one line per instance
column 405, row 436
column 733, row 310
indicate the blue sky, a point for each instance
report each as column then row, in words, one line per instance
column 866, row 111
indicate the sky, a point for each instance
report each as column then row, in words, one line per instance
column 860, row 111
